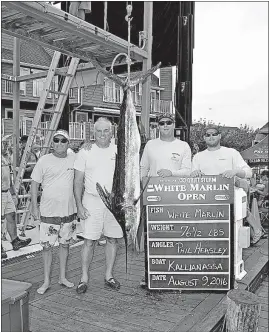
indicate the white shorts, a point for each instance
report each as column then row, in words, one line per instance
column 101, row 220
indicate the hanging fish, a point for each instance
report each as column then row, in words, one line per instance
column 123, row 200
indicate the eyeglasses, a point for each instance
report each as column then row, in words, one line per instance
column 169, row 122
column 214, row 134
column 57, row 140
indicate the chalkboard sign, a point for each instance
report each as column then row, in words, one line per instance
column 189, row 233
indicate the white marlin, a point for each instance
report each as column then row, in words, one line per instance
column 122, row 201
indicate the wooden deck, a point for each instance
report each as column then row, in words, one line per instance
column 263, row 297
column 129, row 310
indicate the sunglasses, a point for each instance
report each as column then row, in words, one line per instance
column 169, row 122
column 214, row 134
column 57, row 140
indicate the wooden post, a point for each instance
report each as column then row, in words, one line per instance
column 243, row 311
column 145, row 113
column 16, row 106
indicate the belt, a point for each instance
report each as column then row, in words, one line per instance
column 4, row 191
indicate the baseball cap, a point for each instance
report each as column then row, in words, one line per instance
column 62, row 132
column 212, row 126
column 166, row 116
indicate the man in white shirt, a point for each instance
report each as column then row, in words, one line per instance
column 92, row 166
column 167, row 155
column 217, row 159
column 55, row 172
column 227, row 162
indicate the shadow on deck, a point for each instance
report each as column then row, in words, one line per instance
column 131, row 309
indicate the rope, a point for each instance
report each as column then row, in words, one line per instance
column 129, row 9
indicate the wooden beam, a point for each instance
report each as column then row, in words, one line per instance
column 145, row 113
column 67, row 23
column 16, row 105
column 59, row 71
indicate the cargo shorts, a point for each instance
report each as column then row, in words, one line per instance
column 7, row 205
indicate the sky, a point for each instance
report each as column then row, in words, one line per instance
column 230, row 66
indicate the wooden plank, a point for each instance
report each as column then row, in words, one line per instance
column 192, row 320
column 40, row 319
column 59, row 19
column 140, row 304
column 122, row 314
column 88, row 315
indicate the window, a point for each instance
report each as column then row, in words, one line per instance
column 8, row 86
column 81, row 116
column 23, row 71
column 71, row 93
column 112, row 92
column 38, row 85
column 8, row 113
column 137, row 94
column 80, row 95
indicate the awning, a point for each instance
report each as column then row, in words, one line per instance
column 258, row 153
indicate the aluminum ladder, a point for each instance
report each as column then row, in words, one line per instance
column 56, row 115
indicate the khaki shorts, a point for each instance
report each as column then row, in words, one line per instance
column 101, row 220
column 65, row 233
column 8, row 205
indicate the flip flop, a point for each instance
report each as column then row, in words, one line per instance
column 112, row 283
column 82, row 287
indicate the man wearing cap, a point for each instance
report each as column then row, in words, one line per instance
column 227, row 162
column 55, row 172
column 166, row 155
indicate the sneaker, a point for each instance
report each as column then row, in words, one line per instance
column 18, row 243
column 3, row 253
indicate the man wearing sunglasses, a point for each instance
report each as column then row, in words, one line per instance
column 166, row 155
column 220, row 160
column 217, row 159
column 55, row 173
